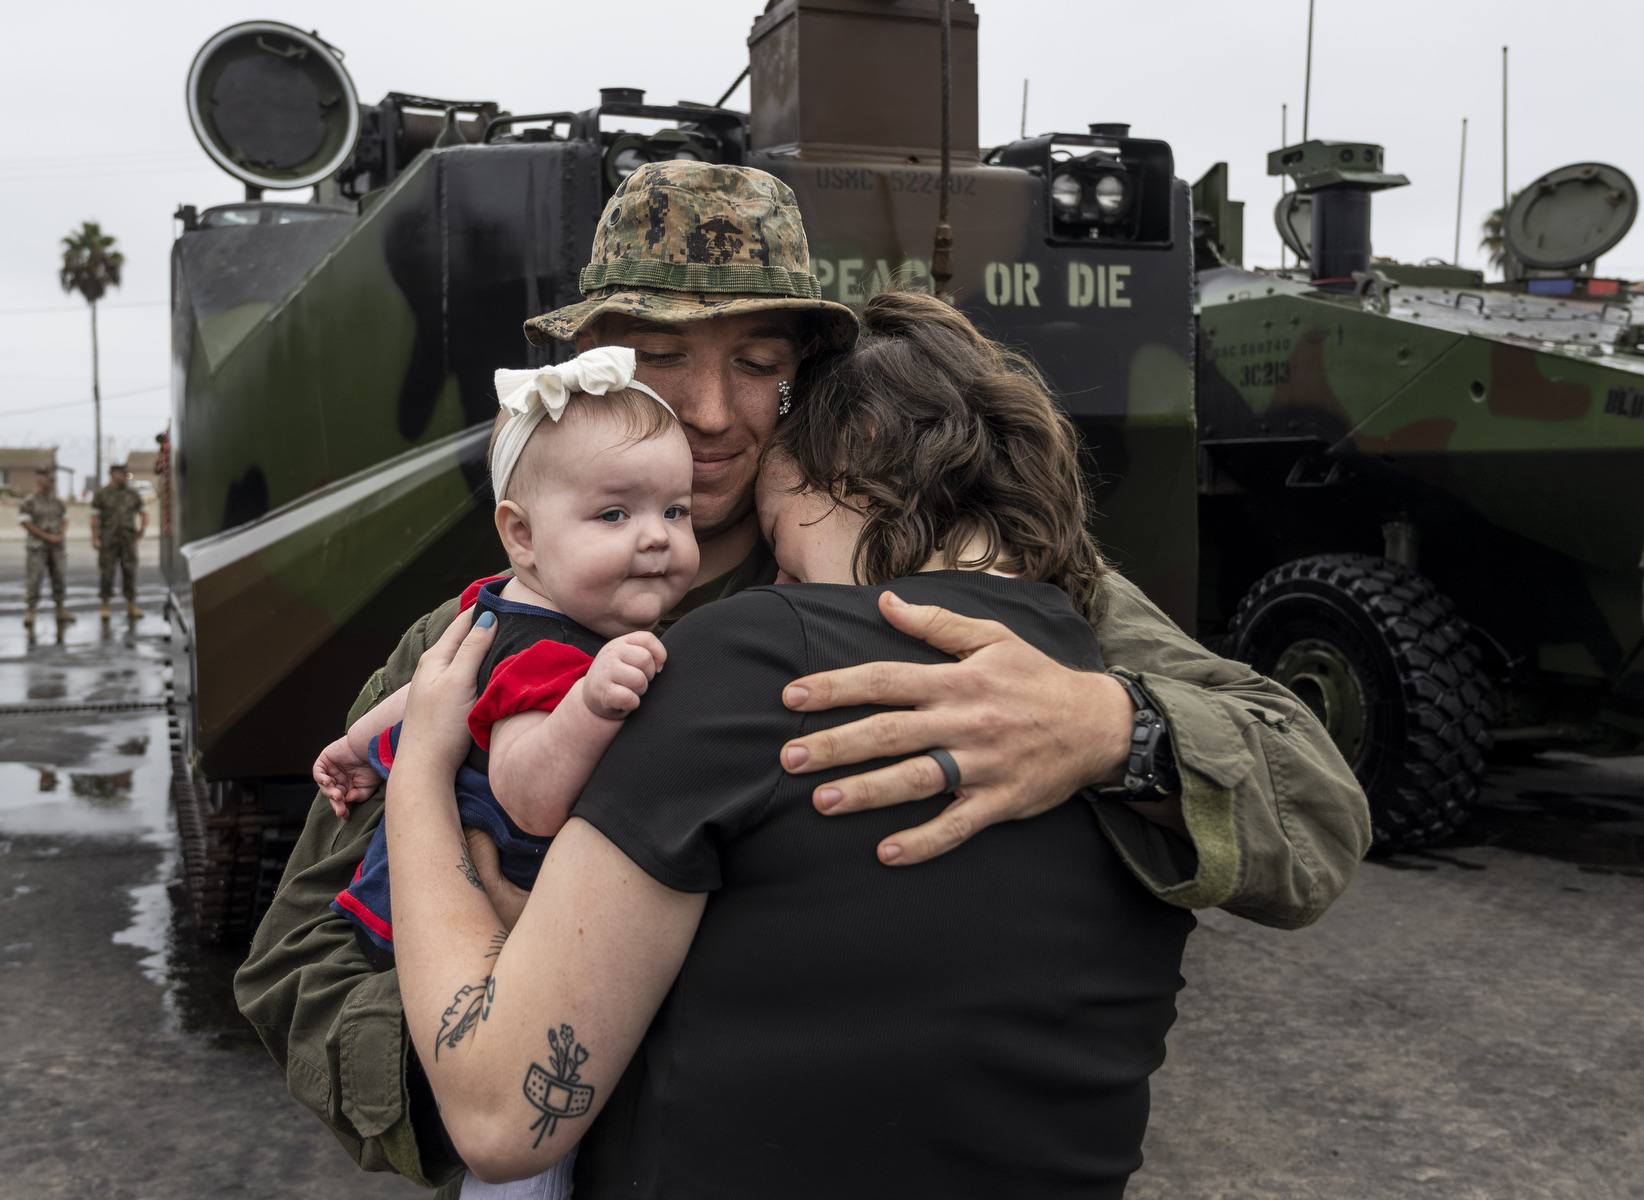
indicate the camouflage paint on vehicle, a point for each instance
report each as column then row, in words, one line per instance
column 1119, row 355
column 330, row 423
column 1505, row 429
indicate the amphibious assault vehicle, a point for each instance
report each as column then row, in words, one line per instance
column 333, row 358
column 1420, row 501
column 1411, row 487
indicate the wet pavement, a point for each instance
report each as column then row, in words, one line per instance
column 125, row 1071
column 1465, row 1023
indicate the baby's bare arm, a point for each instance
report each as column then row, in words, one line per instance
column 366, row 730
column 540, row 761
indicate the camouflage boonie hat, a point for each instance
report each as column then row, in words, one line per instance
column 689, row 241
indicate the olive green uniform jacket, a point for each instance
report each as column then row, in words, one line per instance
column 1278, row 825
column 119, row 513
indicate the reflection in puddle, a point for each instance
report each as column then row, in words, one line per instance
column 47, row 685
column 150, row 921
column 66, row 776
column 96, row 774
column 1579, row 810
column 102, row 791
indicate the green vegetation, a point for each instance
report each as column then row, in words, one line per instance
column 91, row 265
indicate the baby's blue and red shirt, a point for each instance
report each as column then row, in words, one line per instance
column 536, row 658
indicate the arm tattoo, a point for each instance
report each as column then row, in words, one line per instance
column 497, row 939
column 469, row 871
column 469, row 1007
column 554, row 1090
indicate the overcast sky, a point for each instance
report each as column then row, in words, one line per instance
column 94, row 94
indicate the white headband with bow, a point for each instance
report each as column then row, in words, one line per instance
column 528, row 396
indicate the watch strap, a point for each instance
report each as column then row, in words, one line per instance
column 1150, row 768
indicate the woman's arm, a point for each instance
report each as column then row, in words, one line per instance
column 522, row 1036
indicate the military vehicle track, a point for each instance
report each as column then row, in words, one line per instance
column 221, row 831
column 1423, row 701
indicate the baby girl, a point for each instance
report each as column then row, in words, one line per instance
column 594, row 511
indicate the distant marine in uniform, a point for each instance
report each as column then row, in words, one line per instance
column 45, row 518
column 118, row 520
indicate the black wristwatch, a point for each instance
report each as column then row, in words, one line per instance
column 1150, row 772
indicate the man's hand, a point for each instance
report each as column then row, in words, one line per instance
column 96, row 542
column 622, row 670
column 1025, row 731
column 343, row 777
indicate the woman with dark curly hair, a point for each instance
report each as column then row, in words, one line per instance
column 786, row 1016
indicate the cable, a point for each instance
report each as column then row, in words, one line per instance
column 115, row 157
column 19, row 312
column 23, row 412
column 77, row 377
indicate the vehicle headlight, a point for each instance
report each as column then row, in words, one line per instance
column 1066, row 193
column 1112, row 195
column 628, row 160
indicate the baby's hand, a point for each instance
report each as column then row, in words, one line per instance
column 622, row 670
column 344, row 777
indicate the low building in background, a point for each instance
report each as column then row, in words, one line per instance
column 19, row 465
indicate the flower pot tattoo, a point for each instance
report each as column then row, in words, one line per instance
column 554, row 1090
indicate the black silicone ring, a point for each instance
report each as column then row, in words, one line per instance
column 950, row 769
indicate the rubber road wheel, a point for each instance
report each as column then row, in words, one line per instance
column 1382, row 660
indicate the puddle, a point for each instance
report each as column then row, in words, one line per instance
column 107, row 775
column 47, row 685
column 83, row 774
column 1586, row 811
column 151, row 924
column 198, row 981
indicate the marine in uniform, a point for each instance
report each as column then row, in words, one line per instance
column 45, row 518
column 118, row 521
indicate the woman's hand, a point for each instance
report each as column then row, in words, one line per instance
column 441, row 694
column 1025, row 731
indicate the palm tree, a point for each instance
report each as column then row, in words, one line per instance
column 1493, row 240
column 91, row 266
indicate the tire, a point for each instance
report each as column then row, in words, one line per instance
column 1381, row 658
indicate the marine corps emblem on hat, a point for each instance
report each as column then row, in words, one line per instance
column 689, row 241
